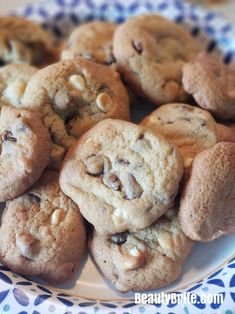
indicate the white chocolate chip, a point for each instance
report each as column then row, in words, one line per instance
column 187, row 162
column 119, row 216
column 135, row 259
column 28, row 245
column 67, row 54
column 14, row 92
column 134, row 251
column 78, row 82
column 57, row 216
column 165, row 241
column 104, row 102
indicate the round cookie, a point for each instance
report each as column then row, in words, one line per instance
column 122, row 176
column 73, row 95
column 23, row 41
column 212, row 84
column 189, row 128
column 150, row 52
column 42, row 232
column 93, row 41
column 13, row 81
column 207, row 204
column 25, row 150
column 145, row 260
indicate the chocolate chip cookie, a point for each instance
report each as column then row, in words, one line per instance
column 150, row 52
column 122, row 176
column 190, row 128
column 207, row 204
column 73, row 95
column 42, row 232
column 212, row 84
column 145, row 260
column 23, row 41
column 93, row 41
column 25, row 148
column 13, row 81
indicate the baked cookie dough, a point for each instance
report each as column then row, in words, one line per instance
column 145, row 260
column 189, row 128
column 42, row 232
column 212, row 85
column 122, row 176
column 207, row 204
column 73, row 95
column 150, row 52
column 93, row 41
column 25, row 147
column 13, row 81
column 23, row 41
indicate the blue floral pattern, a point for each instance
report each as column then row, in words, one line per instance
column 18, row 295
column 33, row 298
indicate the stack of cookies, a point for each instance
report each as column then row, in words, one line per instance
column 70, row 155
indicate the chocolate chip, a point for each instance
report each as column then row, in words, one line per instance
column 110, row 60
column 169, row 122
column 112, row 181
column 35, row 198
column 148, row 209
column 137, row 46
column 141, row 136
column 203, row 123
column 7, row 136
column 2, row 63
column 102, row 88
column 52, row 134
column 122, row 161
column 141, row 144
column 119, row 238
column 132, row 189
column 186, row 119
column 68, row 119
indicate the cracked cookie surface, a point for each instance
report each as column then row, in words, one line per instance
column 212, row 84
column 74, row 95
column 150, row 52
column 42, row 232
column 145, row 260
column 13, row 81
column 207, row 203
column 23, row 41
column 25, row 150
column 93, row 41
column 122, row 176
